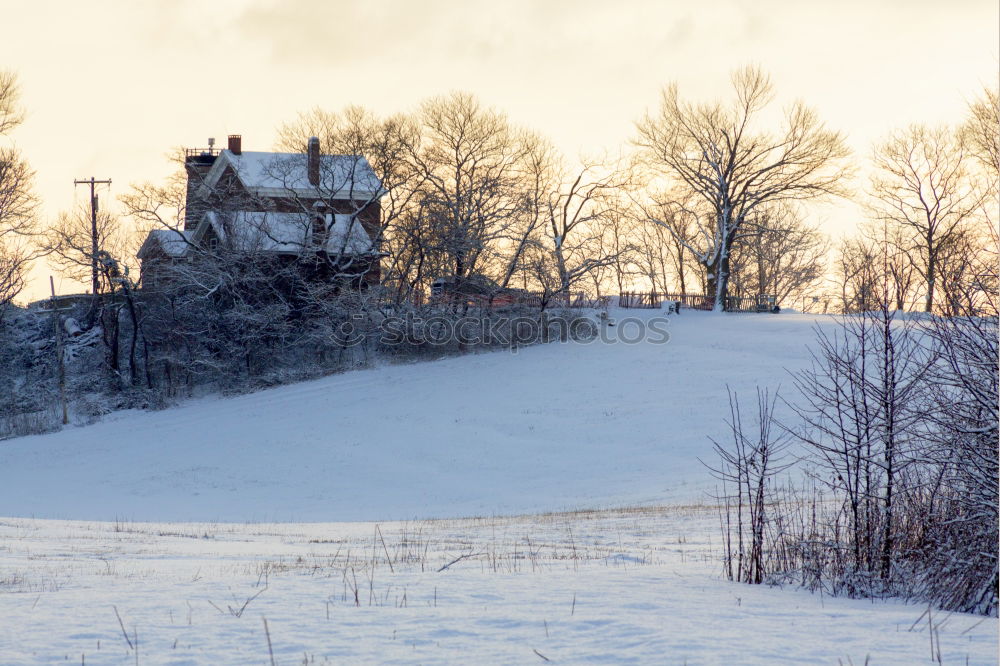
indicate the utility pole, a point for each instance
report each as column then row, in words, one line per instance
column 95, row 284
column 57, row 333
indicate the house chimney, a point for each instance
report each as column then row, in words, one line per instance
column 235, row 144
column 312, row 152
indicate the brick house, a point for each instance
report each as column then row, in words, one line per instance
column 321, row 212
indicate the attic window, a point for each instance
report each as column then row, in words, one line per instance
column 211, row 240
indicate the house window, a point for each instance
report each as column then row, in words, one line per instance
column 319, row 229
column 211, row 240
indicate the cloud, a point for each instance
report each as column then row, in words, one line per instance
column 338, row 32
column 343, row 32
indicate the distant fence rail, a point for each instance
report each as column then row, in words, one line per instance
column 654, row 300
column 529, row 299
column 578, row 299
column 645, row 300
column 640, row 300
column 692, row 301
column 758, row 303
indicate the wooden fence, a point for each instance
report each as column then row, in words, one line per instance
column 520, row 298
column 692, row 301
column 578, row 299
column 760, row 303
column 646, row 300
column 640, row 300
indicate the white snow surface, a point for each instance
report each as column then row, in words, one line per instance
column 614, row 587
column 560, row 426
column 351, row 175
column 173, row 242
column 553, row 427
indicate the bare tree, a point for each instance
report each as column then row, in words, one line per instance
column 513, row 255
column 862, row 404
column 11, row 113
column 159, row 206
column 69, row 244
column 575, row 213
column 682, row 229
column 729, row 169
column 18, row 203
column 470, row 162
column 900, row 275
column 900, row 421
column 922, row 184
column 746, row 468
column 471, row 195
column 779, row 254
column 656, row 258
column 856, row 274
column 615, row 241
column 874, row 266
column 961, row 557
column 386, row 144
column 967, row 274
column 981, row 132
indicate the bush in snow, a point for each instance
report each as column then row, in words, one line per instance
column 899, row 420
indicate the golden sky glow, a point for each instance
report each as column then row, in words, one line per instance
column 111, row 86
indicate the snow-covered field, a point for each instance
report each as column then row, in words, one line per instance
column 621, row 586
column 562, row 427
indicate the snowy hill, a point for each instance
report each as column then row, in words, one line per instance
column 552, row 427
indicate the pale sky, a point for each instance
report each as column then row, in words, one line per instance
column 111, row 86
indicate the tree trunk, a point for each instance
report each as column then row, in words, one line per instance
column 720, row 269
column 680, row 268
column 931, row 269
column 718, row 281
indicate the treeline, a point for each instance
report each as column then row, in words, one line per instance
column 704, row 191
column 709, row 199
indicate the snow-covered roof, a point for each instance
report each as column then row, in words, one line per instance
column 278, row 174
column 170, row 242
column 286, row 232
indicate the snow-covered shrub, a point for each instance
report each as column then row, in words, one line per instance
column 900, row 423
